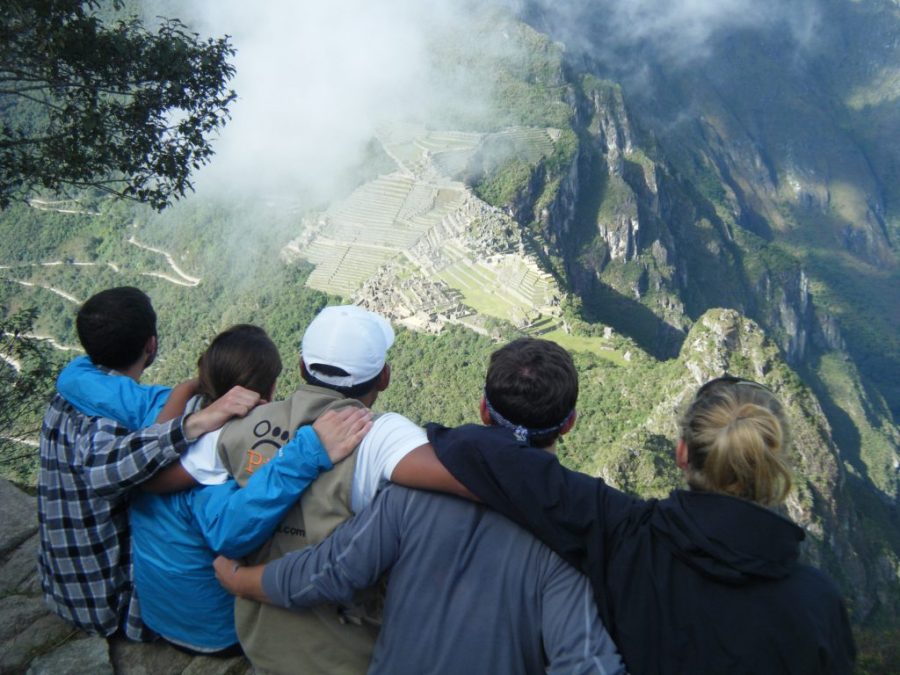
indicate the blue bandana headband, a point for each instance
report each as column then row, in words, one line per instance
column 524, row 434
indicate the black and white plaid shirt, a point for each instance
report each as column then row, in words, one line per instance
column 88, row 465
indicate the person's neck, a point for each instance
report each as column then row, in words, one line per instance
column 369, row 399
column 134, row 371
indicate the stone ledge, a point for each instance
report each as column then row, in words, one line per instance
column 34, row 641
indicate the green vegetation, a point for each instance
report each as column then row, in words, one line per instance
column 102, row 118
column 505, row 184
column 28, row 370
column 582, row 343
column 860, row 424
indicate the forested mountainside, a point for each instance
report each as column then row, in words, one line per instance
column 668, row 217
column 760, row 177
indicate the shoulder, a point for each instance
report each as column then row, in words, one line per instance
column 261, row 412
column 268, row 423
column 814, row 585
column 813, row 600
column 825, row 613
column 391, row 438
column 62, row 422
column 467, row 434
column 393, row 424
column 420, row 503
column 58, row 410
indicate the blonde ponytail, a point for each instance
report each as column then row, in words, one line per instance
column 737, row 438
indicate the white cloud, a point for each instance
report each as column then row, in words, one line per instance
column 678, row 30
column 315, row 79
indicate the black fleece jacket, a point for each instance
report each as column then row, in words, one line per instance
column 695, row 583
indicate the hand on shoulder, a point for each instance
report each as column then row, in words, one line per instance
column 236, row 403
column 340, row 431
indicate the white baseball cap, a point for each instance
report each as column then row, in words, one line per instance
column 350, row 338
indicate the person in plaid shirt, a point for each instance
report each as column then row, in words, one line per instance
column 88, row 465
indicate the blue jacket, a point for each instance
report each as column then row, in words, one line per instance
column 97, row 393
column 176, row 536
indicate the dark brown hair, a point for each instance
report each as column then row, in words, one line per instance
column 533, row 383
column 114, row 326
column 242, row 355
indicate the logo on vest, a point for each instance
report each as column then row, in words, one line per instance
column 268, row 435
column 293, row 531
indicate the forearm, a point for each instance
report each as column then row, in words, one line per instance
column 302, row 579
column 244, row 582
column 352, row 558
column 177, row 401
column 113, row 461
column 236, row 521
column 174, row 478
column 525, row 484
column 575, row 640
column 237, row 402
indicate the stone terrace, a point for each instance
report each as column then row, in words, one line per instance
column 419, row 247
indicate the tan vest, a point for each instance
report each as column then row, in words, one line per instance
column 327, row 639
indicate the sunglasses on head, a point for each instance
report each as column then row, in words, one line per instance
column 727, row 380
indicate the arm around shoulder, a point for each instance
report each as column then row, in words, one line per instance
column 567, row 510
column 422, row 469
column 112, row 461
column 236, row 521
column 352, row 558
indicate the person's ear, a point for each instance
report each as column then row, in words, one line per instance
column 567, row 427
column 384, row 378
column 483, row 412
column 681, row 455
column 150, row 349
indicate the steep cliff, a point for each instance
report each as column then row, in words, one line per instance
column 849, row 536
column 686, row 193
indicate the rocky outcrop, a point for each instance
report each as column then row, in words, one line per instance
column 624, row 222
column 609, row 122
column 35, row 641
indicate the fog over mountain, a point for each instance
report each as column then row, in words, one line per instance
column 315, row 80
column 680, row 31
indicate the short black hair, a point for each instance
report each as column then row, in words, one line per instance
column 533, row 383
column 114, row 326
column 356, row 391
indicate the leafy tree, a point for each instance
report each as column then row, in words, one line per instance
column 113, row 106
column 27, row 376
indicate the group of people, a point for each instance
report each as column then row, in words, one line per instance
column 328, row 523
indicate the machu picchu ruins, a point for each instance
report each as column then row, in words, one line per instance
column 419, row 246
